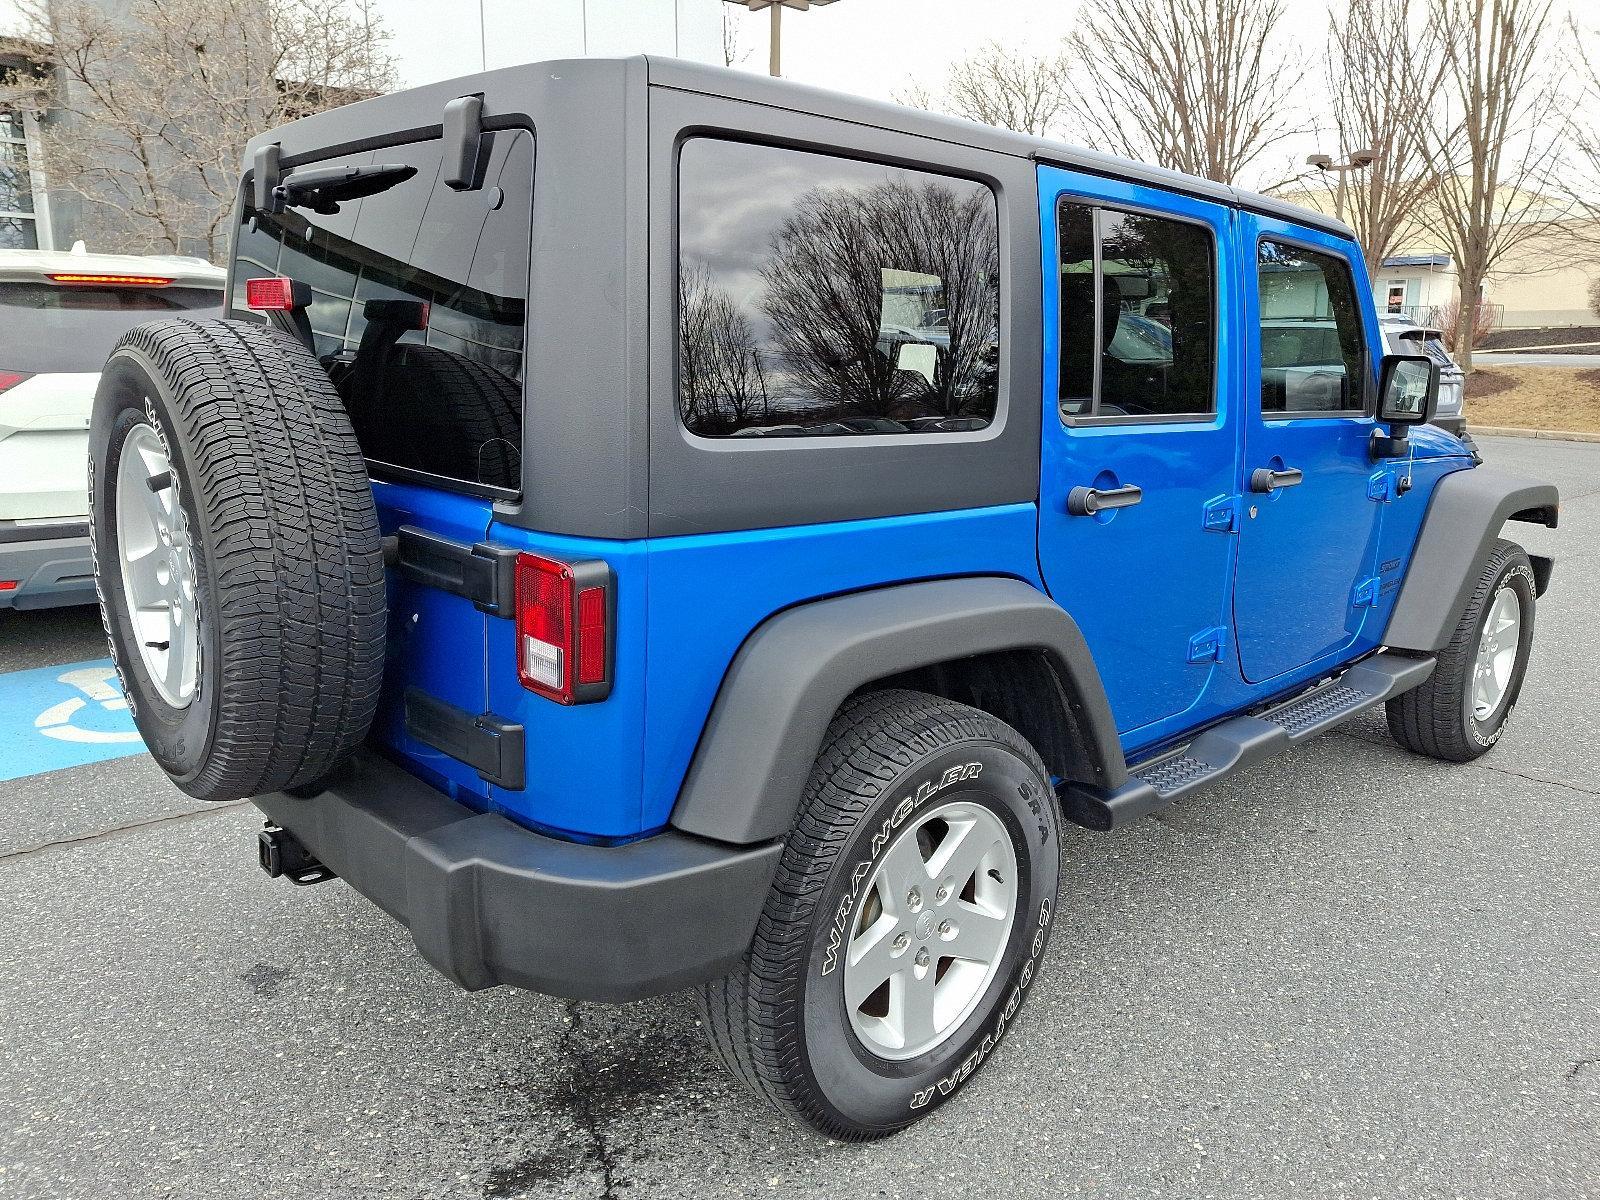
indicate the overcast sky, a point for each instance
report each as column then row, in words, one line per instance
column 871, row 47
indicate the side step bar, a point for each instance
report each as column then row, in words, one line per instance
column 1240, row 741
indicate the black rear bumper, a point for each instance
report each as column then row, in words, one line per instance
column 490, row 902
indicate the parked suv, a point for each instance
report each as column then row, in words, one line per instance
column 61, row 312
column 1405, row 336
column 650, row 527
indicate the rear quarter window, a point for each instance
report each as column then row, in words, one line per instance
column 823, row 296
column 419, row 302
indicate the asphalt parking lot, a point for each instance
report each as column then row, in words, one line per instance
column 1349, row 972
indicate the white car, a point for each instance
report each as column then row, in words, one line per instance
column 60, row 314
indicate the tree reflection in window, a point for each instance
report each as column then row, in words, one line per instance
column 868, row 303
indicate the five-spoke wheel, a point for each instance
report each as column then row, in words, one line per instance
column 1497, row 653
column 931, row 929
column 157, row 566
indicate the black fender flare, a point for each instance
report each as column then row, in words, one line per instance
column 794, row 671
column 1465, row 516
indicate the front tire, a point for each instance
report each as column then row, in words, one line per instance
column 906, row 922
column 1462, row 710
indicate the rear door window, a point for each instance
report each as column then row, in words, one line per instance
column 418, row 312
column 1138, row 305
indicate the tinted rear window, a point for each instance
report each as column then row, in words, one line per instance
column 1433, row 347
column 52, row 327
column 446, row 399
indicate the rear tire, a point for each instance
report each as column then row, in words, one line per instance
column 243, row 525
column 805, row 1022
column 1462, row 710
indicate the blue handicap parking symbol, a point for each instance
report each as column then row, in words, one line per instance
column 63, row 716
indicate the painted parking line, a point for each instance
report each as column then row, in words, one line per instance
column 63, row 716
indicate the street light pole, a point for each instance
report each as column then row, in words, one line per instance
column 1358, row 160
column 775, row 49
column 775, row 44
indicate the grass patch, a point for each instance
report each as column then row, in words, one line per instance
column 1557, row 398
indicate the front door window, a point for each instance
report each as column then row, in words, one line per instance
column 1312, row 348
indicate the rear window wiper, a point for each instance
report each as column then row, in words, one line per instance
column 322, row 189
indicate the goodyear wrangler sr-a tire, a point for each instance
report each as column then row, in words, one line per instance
column 237, row 556
column 907, row 921
column 1462, row 709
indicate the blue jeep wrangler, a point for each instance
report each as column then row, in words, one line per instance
column 652, row 527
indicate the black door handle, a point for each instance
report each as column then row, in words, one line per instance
column 1086, row 501
column 1265, row 479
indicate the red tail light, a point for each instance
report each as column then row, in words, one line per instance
column 278, row 293
column 564, row 616
column 10, row 379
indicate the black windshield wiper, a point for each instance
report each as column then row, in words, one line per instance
column 321, row 189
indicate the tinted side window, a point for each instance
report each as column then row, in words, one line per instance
column 419, row 298
column 1312, row 357
column 825, row 296
column 1138, row 329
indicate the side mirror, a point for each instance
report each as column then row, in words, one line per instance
column 1408, row 389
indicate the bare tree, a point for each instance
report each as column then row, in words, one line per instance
column 722, row 380
column 1385, row 64
column 151, row 106
column 1493, row 142
column 1196, row 85
column 733, row 54
column 825, row 292
column 999, row 86
column 1584, row 127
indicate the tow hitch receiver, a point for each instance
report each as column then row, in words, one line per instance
column 283, row 855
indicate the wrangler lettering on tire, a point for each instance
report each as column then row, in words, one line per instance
column 907, row 922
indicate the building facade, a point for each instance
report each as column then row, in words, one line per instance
column 1542, row 284
column 24, row 212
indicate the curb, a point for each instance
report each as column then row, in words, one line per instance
column 1554, row 435
column 1575, row 348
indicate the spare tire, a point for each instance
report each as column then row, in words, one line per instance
column 237, row 556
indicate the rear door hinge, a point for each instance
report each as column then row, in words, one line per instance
column 492, row 746
column 1209, row 645
column 1366, row 593
column 1221, row 515
column 483, row 573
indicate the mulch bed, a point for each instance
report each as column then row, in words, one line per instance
column 1483, row 383
column 1507, row 339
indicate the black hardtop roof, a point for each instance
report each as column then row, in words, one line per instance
column 420, row 107
column 782, row 93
